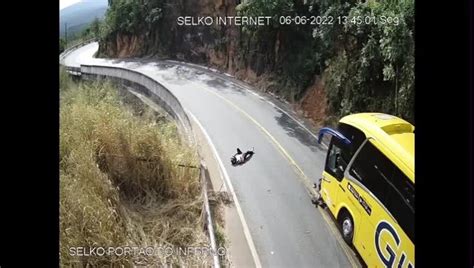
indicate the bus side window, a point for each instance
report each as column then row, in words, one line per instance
column 356, row 137
column 340, row 154
column 401, row 202
column 335, row 163
column 371, row 168
column 386, row 182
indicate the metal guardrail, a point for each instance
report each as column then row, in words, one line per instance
column 73, row 70
column 74, row 47
column 208, row 215
column 150, row 87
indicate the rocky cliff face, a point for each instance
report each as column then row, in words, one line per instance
column 200, row 44
column 219, row 46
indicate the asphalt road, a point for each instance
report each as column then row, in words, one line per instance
column 287, row 230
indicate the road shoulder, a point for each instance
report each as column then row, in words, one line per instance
column 238, row 251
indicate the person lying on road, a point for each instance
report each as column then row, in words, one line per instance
column 240, row 158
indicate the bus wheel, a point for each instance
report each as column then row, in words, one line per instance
column 347, row 227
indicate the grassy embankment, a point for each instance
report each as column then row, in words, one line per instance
column 120, row 179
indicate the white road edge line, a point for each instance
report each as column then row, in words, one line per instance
column 248, row 237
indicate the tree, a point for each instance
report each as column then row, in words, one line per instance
column 372, row 67
column 95, row 28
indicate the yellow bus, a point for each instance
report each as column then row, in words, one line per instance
column 368, row 184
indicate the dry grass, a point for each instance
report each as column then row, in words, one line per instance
column 120, row 183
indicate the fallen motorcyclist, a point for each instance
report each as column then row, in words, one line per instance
column 240, row 158
column 317, row 200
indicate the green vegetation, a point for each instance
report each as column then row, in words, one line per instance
column 367, row 66
column 120, row 179
column 288, row 52
column 93, row 30
column 133, row 17
column 366, row 62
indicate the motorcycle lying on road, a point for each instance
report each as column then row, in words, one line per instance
column 241, row 158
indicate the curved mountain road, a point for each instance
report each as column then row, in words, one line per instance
column 272, row 188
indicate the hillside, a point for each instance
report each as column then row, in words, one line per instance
column 79, row 15
column 325, row 70
column 120, row 179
